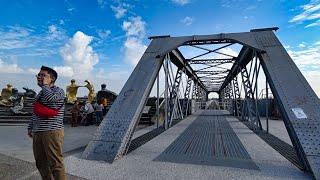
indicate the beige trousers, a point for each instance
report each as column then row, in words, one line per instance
column 47, row 150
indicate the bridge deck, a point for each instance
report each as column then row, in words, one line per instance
column 203, row 146
column 209, row 140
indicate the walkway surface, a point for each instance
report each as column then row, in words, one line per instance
column 205, row 145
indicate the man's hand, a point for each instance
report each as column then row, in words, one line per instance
column 30, row 133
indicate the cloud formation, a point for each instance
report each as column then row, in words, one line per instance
column 9, row 68
column 308, row 62
column 14, row 37
column 311, row 12
column 133, row 46
column 56, row 33
column 102, row 3
column 187, row 20
column 103, row 34
column 180, row 2
column 78, row 56
column 308, row 56
column 119, row 10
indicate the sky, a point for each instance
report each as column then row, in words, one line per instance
column 102, row 40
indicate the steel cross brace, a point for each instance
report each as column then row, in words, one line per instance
column 187, row 96
column 236, row 96
column 173, row 101
column 249, row 107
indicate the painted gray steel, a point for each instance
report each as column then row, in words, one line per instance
column 209, row 140
column 299, row 105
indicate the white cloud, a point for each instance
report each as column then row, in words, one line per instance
column 313, row 78
column 133, row 46
column 103, row 34
column 14, row 37
column 55, row 33
column 33, row 70
column 101, row 73
column 317, row 23
column 187, row 20
column 181, row 2
column 71, row 9
column 9, row 68
column 120, row 11
column 308, row 62
column 134, row 49
column 252, row 7
column 102, row 3
column 27, row 43
column 64, row 71
column 311, row 11
column 302, row 45
column 134, row 27
column 308, row 56
column 79, row 56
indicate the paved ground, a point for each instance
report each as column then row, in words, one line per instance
column 16, row 158
column 140, row 163
column 15, row 142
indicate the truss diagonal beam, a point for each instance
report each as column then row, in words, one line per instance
column 210, row 61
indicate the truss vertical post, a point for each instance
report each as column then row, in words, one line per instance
column 166, row 65
column 186, row 96
column 236, row 96
column 158, row 110
column 267, row 103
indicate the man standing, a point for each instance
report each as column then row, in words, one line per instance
column 46, row 126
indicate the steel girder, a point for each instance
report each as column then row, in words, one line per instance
column 299, row 105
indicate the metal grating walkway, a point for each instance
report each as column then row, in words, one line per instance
column 209, row 140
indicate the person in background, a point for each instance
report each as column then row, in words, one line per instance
column 46, row 126
column 98, row 107
column 75, row 112
column 87, row 118
column 102, row 97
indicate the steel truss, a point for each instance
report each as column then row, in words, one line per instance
column 299, row 105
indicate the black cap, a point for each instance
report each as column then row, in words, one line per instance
column 50, row 71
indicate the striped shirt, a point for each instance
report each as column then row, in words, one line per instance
column 52, row 97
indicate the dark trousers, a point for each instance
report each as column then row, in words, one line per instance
column 99, row 117
column 47, row 150
column 89, row 119
column 74, row 119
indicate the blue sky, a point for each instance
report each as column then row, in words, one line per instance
column 102, row 40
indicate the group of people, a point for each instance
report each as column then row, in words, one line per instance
column 86, row 113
